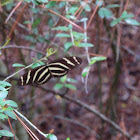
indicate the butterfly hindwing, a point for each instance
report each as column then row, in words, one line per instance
column 34, row 76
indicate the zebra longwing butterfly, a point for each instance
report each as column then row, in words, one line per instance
column 54, row 69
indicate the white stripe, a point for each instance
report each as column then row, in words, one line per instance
column 58, row 74
column 45, row 79
column 76, row 60
column 43, row 73
column 22, row 80
column 68, row 61
column 51, row 64
column 37, row 72
column 28, row 77
column 55, row 68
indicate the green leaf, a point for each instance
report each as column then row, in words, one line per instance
column 3, row 94
column 10, row 114
column 6, row 133
column 11, row 103
column 70, row 86
column 36, row 22
column 114, row 22
column 1, row 111
column 83, row 19
column 95, row 59
column 27, row 1
column 61, row 28
column 4, row 2
column 85, row 71
column 51, row 4
column 85, row 45
column 30, row 38
column 104, row 12
column 71, row 80
column 62, row 35
column 72, row 10
column 8, row 109
column 27, row 22
column 5, row 83
column 67, row 46
column 113, row 6
column 71, row 17
column 41, row 39
column 63, row 79
column 40, row 63
column 52, row 137
column 1, row 104
column 125, row 15
column 78, row 35
column 70, row 26
column 58, row 86
column 132, row 21
column 100, row 3
column 18, row 65
column 42, row 1
column 3, row 116
column 2, row 88
column 86, row 6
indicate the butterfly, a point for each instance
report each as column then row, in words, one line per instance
column 54, row 69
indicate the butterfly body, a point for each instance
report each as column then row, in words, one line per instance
column 54, row 69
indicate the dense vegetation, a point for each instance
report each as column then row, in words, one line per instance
column 100, row 99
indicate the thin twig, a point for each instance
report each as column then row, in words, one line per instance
column 11, row 128
column 18, row 19
column 17, row 72
column 93, row 14
column 19, row 3
column 81, row 8
column 45, row 135
column 63, row 18
column 7, row 128
column 26, row 127
column 23, row 47
column 88, row 58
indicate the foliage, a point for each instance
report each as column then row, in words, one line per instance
column 63, row 83
column 127, row 18
column 6, row 107
column 71, row 40
column 92, row 61
column 51, row 137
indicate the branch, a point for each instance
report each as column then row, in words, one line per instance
column 87, row 107
column 45, row 135
column 71, row 121
column 100, row 115
column 23, row 47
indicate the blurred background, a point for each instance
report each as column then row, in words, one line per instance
column 108, row 80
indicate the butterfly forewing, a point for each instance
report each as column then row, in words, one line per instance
column 60, row 67
column 57, row 68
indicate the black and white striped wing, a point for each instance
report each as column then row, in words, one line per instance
column 60, row 67
column 42, row 74
column 39, row 75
